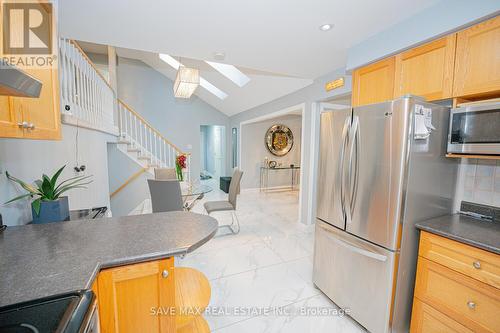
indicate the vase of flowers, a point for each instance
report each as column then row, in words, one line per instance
column 180, row 164
column 48, row 205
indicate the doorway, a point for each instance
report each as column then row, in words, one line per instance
column 213, row 151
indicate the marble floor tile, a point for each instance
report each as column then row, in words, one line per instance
column 288, row 247
column 273, row 286
column 268, row 265
column 313, row 315
column 223, row 262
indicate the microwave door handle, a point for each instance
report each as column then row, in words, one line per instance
column 354, row 248
column 345, row 131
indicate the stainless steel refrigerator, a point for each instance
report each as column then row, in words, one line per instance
column 382, row 168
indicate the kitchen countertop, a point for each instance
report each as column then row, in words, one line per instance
column 40, row 260
column 480, row 233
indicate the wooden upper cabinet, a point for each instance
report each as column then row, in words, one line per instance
column 373, row 83
column 477, row 64
column 426, row 70
column 132, row 297
column 42, row 114
column 9, row 120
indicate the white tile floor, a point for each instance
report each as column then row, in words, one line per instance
column 267, row 266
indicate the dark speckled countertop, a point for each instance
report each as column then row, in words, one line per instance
column 44, row 260
column 480, row 233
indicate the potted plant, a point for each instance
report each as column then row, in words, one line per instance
column 48, row 205
column 180, row 164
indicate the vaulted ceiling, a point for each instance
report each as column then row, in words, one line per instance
column 277, row 43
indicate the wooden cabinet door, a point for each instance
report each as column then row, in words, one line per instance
column 373, row 83
column 130, row 296
column 426, row 319
column 477, row 64
column 9, row 120
column 426, row 70
column 42, row 112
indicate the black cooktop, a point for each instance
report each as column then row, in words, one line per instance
column 61, row 313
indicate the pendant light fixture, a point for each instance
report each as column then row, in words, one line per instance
column 186, row 81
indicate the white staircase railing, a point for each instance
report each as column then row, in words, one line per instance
column 147, row 141
column 88, row 100
column 86, row 95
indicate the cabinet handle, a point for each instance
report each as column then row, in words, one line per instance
column 31, row 126
column 164, row 273
column 476, row 264
column 24, row 124
column 471, row 305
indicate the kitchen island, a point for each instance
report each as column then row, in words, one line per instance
column 42, row 260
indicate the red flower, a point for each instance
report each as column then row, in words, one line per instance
column 181, row 161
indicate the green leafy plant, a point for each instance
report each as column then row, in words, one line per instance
column 47, row 189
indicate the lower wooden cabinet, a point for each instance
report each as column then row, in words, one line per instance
column 133, row 298
column 153, row 297
column 450, row 298
column 427, row 319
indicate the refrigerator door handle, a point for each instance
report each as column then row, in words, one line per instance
column 345, row 131
column 354, row 137
column 354, row 248
column 354, row 188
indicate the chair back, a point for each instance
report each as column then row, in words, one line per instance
column 165, row 195
column 234, row 187
column 165, row 174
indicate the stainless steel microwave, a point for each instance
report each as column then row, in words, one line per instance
column 475, row 129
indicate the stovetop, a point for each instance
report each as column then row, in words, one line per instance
column 61, row 313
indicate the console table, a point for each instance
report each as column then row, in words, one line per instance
column 264, row 176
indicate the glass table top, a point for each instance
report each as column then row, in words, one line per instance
column 194, row 188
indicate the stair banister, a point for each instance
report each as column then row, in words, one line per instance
column 93, row 101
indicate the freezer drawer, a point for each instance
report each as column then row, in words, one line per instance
column 355, row 274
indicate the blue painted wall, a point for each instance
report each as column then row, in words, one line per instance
column 445, row 17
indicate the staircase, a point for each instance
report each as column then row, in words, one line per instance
column 89, row 101
column 145, row 144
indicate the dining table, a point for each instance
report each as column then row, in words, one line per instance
column 192, row 192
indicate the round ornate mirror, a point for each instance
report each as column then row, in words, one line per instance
column 279, row 140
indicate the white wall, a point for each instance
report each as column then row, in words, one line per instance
column 307, row 98
column 29, row 159
column 121, row 167
column 478, row 181
column 150, row 94
column 255, row 150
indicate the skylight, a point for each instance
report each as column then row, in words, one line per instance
column 230, row 72
column 204, row 83
column 213, row 89
column 169, row 60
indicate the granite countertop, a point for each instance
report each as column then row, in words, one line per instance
column 480, row 233
column 47, row 259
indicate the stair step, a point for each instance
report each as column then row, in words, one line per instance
column 124, row 141
column 144, row 158
column 133, row 150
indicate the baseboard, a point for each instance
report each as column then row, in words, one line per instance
column 271, row 188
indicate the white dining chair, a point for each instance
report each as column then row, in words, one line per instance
column 228, row 205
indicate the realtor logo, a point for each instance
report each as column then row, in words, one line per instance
column 27, row 28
